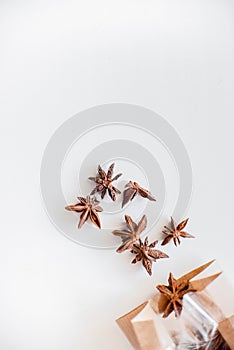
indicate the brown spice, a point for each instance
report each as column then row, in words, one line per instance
column 174, row 292
column 172, row 295
column 88, row 207
column 130, row 236
column 175, row 232
column 132, row 189
column 104, row 181
column 145, row 253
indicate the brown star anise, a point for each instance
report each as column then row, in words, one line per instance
column 175, row 232
column 175, row 292
column 171, row 298
column 104, row 182
column 129, row 237
column 133, row 188
column 146, row 253
column 89, row 208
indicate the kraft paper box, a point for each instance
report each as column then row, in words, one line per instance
column 207, row 319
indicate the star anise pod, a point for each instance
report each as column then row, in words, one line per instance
column 145, row 253
column 133, row 188
column 104, row 182
column 175, row 232
column 130, row 236
column 172, row 295
column 175, row 292
column 88, row 207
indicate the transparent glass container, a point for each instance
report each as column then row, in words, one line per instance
column 195, row 329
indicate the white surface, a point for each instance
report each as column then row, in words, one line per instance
column 59, row 57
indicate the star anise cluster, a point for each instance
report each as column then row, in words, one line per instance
column 88, row 207
column 131, row 240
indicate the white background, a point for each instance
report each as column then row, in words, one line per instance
column 60, row 57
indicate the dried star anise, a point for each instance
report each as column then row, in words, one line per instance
column 172, row 295
column 133, row 188
column 129, row 237
column 104, row 182
column 175, row 292
column 175, row 232
column 89, row 208
column 146, row 253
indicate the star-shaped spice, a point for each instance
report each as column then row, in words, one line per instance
column 88, row 207
column 145, row 253
column 130, row 236
column 133, row 188
column 104, row 182
column 171, row 298
column 175, row 292
column 175, row 232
